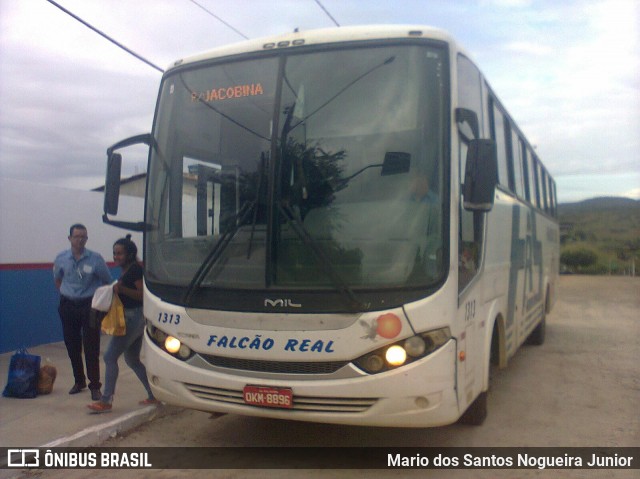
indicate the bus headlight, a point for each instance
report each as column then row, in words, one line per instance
column 396, row 355
column 175, row 347
column 185, row 352
column 373, row 363
column 403, row 352
column 172, row 345
column 169, row 343
column 159, row 336
column 415, row 346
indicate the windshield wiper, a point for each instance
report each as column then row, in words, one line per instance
column 263, row 161
column 323, row 261
column 217, row 250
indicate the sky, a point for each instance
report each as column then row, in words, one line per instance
column 567, row 71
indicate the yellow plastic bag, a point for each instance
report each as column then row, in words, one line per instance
column 114, row 323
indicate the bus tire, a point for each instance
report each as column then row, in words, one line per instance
column 536, row 337
column 476, row 413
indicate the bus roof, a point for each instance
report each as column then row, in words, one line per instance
column 320, row 36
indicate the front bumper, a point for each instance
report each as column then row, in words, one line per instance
column 420, row 394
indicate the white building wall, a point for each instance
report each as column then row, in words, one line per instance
column 35, row 221
column 34, row 227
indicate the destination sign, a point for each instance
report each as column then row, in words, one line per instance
column 228, row 93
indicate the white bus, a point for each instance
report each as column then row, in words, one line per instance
column 342, row 226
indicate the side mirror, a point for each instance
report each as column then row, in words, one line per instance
column 481, row 175
column 112, row 185
column 464, row 115
column 395, row 163
column 112, row 182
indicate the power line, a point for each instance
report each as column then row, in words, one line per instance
column 220, row 19
column 327, row 12
column 131, row 52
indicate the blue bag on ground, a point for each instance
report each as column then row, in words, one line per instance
column 24, row 369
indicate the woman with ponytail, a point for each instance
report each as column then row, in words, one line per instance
column 129, row 289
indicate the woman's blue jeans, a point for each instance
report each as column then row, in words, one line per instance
column 130, row 344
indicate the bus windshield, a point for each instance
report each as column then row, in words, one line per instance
column 307, row 171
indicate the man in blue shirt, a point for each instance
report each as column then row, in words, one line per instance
column 77, row 273
column 420, row 191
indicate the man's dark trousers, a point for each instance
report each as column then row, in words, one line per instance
column 80, row 332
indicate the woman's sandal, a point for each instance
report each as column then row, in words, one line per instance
column 99, row 407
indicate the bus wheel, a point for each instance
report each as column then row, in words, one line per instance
column 477, row 411
column 536, row 338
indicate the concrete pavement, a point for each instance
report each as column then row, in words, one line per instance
column 63, row 420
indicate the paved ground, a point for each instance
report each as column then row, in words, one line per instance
column 579, row 389
column 59, row 419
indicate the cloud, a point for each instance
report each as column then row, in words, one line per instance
column 62, row 120
column 571, row 81
column 529, row 48
column 566, row 71
column 634, row 193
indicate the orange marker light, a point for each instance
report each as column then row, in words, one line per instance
column 388, row 326
column 462, row 356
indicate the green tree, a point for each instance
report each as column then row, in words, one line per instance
column 579, row 258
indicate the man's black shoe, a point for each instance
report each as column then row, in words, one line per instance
column 77, row 388
column 96, row 395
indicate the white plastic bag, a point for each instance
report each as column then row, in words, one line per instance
column 102, row 298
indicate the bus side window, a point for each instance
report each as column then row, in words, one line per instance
column 545, row 191
column 498, row 133
column 471, row 224
column 537, row 182
column 516, row 154
column 554, row 204
column 531, row 177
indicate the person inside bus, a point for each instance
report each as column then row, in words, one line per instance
column 129, row 290
column 420, row 191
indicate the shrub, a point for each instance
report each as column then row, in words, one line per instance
column 579, row 258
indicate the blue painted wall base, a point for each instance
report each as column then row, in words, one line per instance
column 29, row 307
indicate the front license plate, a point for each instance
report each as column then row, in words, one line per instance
column 268, row 397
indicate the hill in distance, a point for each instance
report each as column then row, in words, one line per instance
column 606, row 226
column 601, row 203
